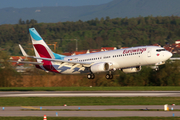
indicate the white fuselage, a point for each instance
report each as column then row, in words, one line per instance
column 121, row 58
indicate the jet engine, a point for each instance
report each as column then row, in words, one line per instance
column 101, row 67
column 132, row 69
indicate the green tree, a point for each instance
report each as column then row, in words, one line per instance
column 7, row 73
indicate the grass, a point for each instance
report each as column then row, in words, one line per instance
column 90, row 118
column 124, row 88
column 85, row 101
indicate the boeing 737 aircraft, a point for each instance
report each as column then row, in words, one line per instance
column 128, row 60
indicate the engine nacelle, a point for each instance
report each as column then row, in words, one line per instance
column 100, row 67
column 132, row 69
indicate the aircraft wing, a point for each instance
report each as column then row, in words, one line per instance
column 174, row 58
column 56, row 60
column 49, row 59
column 27, row 62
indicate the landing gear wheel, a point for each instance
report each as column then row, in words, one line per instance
column 90, row 76
column 109, row 76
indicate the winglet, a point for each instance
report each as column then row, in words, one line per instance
column 22, row 50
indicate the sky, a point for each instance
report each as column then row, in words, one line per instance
column 42, row 3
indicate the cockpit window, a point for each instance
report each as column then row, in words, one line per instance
column 159, row 50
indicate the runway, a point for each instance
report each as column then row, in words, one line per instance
column 93, row 107
column 92, row 113
column 62, row 111
column 17, row 111
column 90, row 94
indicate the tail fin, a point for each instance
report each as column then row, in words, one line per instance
column 40, row 47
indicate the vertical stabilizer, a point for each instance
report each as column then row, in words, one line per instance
column 40, row 47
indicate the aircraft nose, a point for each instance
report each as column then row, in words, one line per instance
column 169, row 54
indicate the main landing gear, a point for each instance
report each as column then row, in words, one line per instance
column 91, row 76
column 109, row 75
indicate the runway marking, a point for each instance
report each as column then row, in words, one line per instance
column 89, row 94
column 29, row 107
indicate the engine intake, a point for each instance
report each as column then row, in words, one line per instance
column 100, row 67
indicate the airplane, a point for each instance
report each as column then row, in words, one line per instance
column 129, row 60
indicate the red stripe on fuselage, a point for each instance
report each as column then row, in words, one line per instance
column 42, row 51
